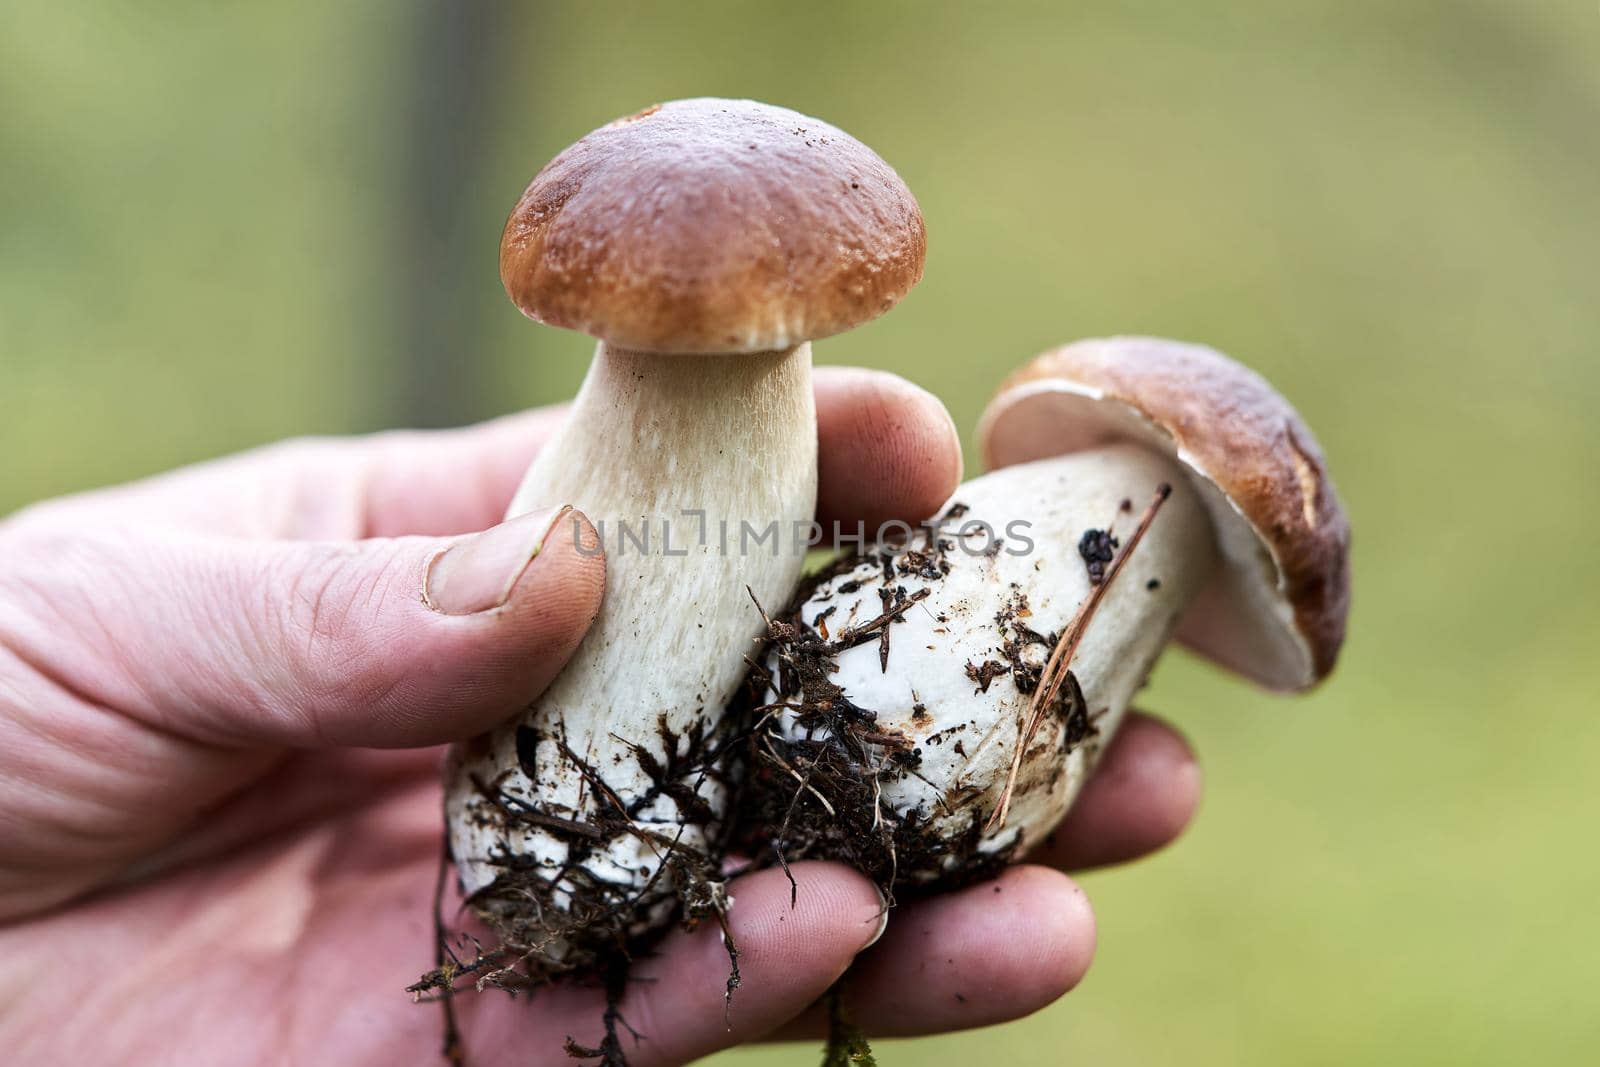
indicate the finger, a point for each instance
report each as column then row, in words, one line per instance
column 886, row 450
column 788, row 957
column 1142, row 796
column 381, row 643
column 982, row 955
column 390, row 484
column 445, row 481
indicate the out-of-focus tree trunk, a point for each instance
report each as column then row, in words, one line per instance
column 446, row 84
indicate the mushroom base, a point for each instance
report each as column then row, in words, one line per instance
column 579, row 915
column 578, row 921
column 836, row 815
column 579, row 825
column 818, row 793
column 929, row 710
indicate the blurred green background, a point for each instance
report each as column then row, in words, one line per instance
column 223, row 224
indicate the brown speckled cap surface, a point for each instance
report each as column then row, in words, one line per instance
column 713, row 226
column 1276, row 610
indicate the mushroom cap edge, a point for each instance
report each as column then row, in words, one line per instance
column 713, row 226
column 1276, row 610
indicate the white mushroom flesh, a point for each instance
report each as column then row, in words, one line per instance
column 950, row 689
column 690, row 452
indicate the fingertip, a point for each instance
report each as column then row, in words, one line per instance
column 1007, row 947
column 1142, row 797
column 1153, row 760
column 557, row 598
column 406, row 672
column 887, row 449
column 504, row 658
column 1061, row 935
column 985, row 954
column 829, row 911
column 1170, row 772
column 943, row 440
column 791, row 948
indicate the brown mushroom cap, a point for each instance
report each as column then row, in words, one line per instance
column 1275, row 611
column 713, row 226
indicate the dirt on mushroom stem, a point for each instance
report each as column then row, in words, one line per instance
column 820, row 796
column 530, row 907
column 942, row 737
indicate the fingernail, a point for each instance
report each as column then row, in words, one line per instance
column 478, row 573
column 883, row 920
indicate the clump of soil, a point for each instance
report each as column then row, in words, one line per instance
column 535, row 911
column 816, row 785
column 816, row 792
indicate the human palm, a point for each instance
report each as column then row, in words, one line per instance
column 222, row 693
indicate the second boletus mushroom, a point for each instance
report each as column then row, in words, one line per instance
column 704, row 243
column 930, row 709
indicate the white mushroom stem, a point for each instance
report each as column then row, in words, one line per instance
column 950, row 686
column 681, row 462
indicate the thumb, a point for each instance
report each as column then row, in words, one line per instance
column 388, row 642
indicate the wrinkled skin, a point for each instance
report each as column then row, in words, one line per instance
column 221, row 696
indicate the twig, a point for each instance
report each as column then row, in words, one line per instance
column 1057, row 667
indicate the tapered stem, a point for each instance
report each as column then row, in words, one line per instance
column 697, row 471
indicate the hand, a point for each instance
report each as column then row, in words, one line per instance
column 219, row 805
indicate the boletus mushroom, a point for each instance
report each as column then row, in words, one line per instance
column 929, row 709
column 704, row 243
